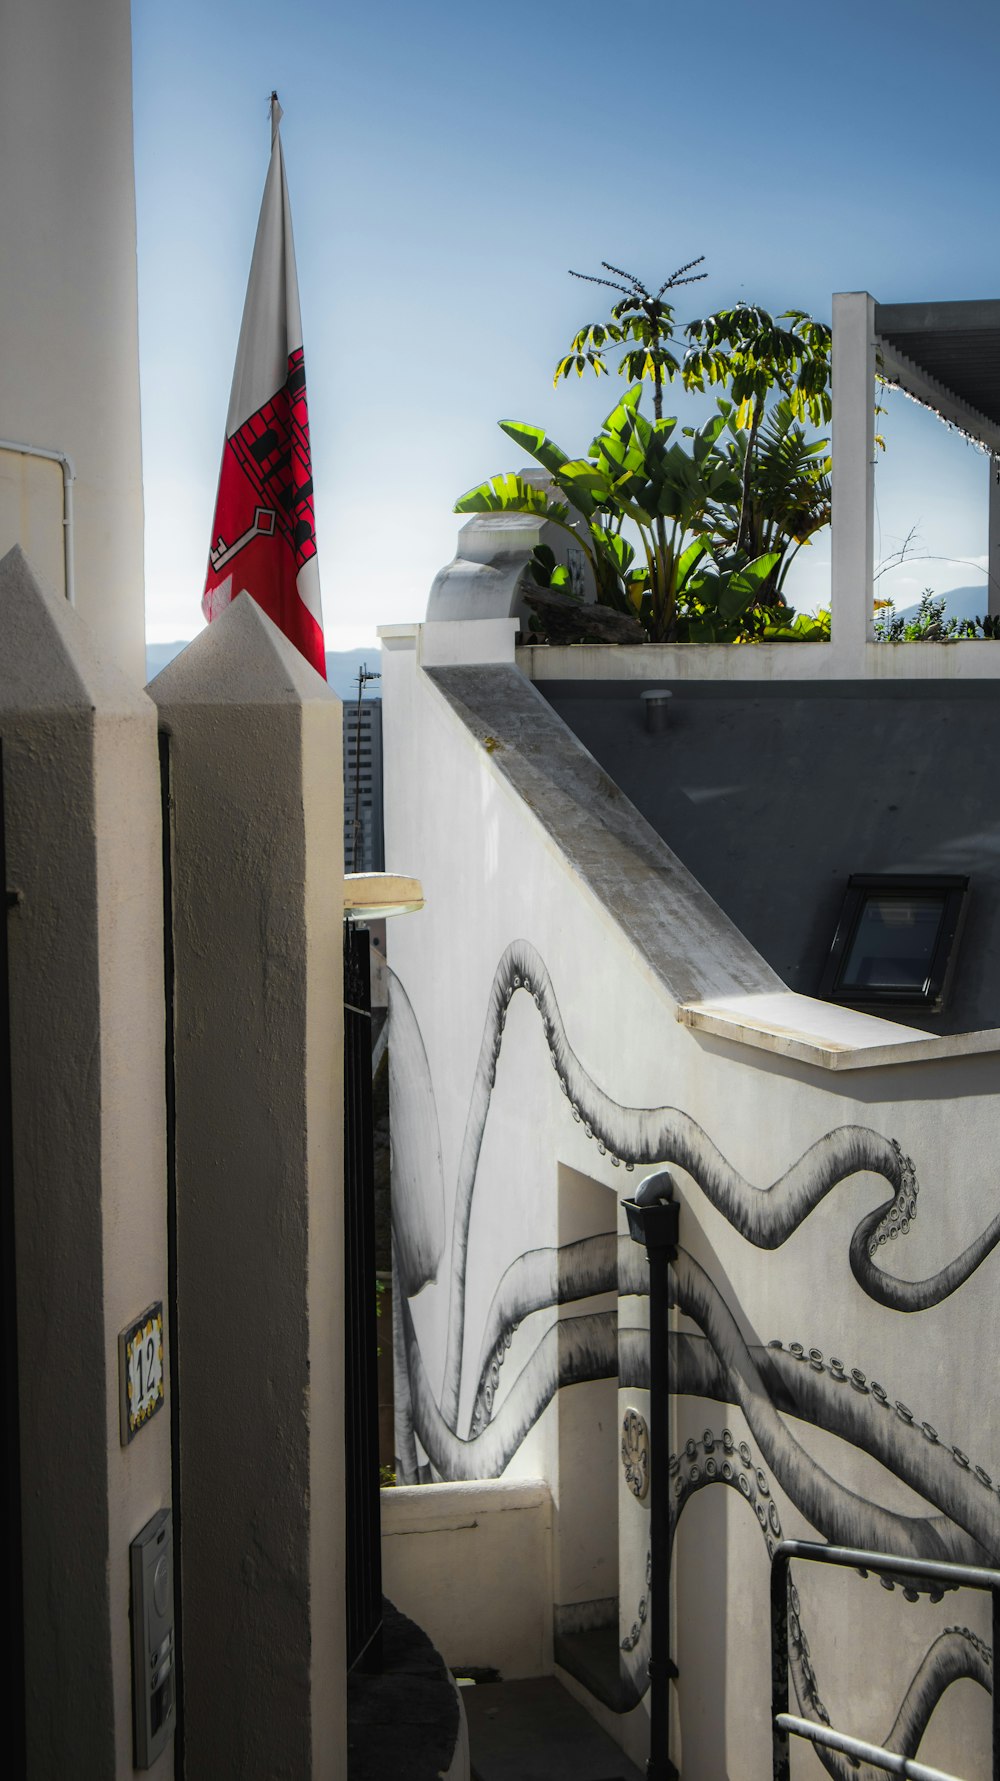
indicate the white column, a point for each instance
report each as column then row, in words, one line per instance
column 258, row 893
column 83, row 832
column 69, row 356
column 993, row 543
column 853, row 519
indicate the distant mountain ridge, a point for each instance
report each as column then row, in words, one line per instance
column 342, row 666
column 959, row 602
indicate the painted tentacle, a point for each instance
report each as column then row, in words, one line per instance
column 716, row 1459
column 765, row 1216
column 576, row 1349
column 796, row 1380
column 911, row 1295
column 543, row 1278
column 536, row 1281
column 407, row 1463
column 841, row 1515
column 799, row 1382
column 956, row 1654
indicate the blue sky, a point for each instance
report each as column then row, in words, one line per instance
column 447, row 164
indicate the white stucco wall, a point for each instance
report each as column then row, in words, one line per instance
column 493, row 872
column 69, row 364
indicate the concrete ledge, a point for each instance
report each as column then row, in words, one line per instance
column 409, row 1508
column 822, row 1033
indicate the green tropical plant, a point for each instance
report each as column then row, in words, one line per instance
column 787, row 498
column 748, row 353
column 694, row 539
column 929, row 624
column 636, row 471
column 642, row 324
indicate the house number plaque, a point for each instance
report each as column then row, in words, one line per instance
column 141, row 1371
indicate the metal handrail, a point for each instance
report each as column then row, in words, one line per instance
column 857, row 1749
column 938, row 1574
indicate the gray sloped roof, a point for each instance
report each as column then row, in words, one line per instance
column 773, row 794
column 681, row 934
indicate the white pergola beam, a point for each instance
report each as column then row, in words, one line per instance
column 853, row 478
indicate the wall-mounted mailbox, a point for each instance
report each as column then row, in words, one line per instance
column 154, row 1695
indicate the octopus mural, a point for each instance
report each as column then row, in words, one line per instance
column 766, row 1384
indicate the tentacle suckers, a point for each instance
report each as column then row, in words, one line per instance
column 954, row 1654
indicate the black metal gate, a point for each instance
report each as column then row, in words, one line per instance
column 13, row 1665
column 364, row 1551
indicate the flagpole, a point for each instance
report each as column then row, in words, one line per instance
column 276, row 116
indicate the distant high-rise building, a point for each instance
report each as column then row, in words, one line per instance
column 364, row 847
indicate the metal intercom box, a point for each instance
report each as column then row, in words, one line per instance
column 154, row 1693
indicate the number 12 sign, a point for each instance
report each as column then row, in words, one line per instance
column 141, row 1370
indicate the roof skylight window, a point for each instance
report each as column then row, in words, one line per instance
column 896, row 941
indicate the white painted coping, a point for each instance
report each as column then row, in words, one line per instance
column 785, row 662
column 824, row 1033
column 471, row 1563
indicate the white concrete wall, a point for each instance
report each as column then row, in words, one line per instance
column 257, row 844
column 81, row 793
column 472, row 1565
column 69, row 364
column 493, row 872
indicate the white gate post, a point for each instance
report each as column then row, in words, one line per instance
column 255, row 741
column 83, row 844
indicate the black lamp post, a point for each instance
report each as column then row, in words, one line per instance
column 653, row 1221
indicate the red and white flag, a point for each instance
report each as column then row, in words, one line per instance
column 264, row 536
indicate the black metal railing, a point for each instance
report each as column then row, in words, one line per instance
column 938, row 1576
column 364, row 1551
column 13, row 1705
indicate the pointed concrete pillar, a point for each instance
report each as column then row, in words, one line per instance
column 83, row 843
column 257, row 817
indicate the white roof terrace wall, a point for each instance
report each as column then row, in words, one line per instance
column 534, row 867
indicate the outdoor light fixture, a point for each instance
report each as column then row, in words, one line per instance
column 371, row 896
column 896, row 941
